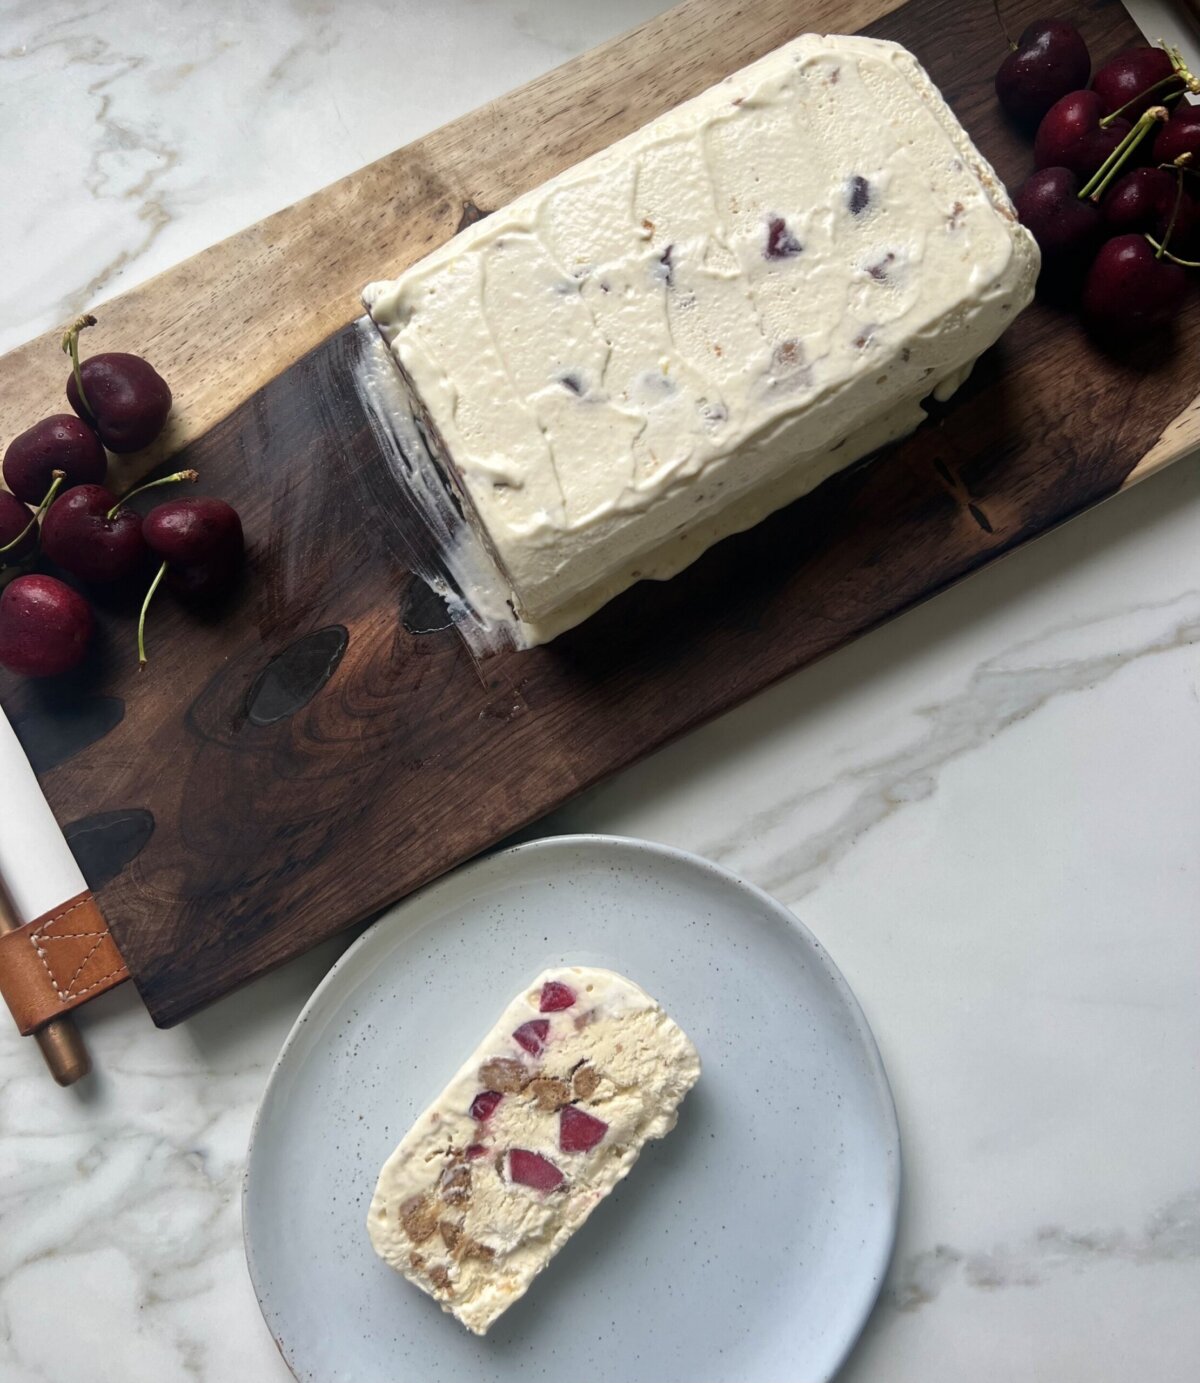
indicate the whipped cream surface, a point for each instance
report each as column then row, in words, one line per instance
column 544, row 1118
column 702, row 322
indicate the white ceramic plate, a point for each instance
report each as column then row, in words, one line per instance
column 748, row 1245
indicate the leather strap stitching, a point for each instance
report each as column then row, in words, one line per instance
column 40, row 941
column 41, row 983
column 79, row 969
column 120, row 970
column 71, row 936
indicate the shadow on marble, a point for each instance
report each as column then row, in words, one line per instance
column 233, row 1023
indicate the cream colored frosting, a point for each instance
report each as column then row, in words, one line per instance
column 455, row 1222
column 702, row 322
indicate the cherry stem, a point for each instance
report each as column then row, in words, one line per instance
column 154, row 585
column 150, row 485
column 1096, row 186
column 55, row 485
column 1183, row 162
column 1141, row 96
column 1175, row 53
column 1166, row 240
column 70, row 345
column 1163, row 253
column 1181, row 74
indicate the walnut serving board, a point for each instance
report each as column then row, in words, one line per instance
column 325, row 743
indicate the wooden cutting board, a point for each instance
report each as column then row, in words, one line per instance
column 324, row 743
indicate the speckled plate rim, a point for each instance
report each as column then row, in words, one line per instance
column 407, row 913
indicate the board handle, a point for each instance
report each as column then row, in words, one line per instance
column 59, row 1039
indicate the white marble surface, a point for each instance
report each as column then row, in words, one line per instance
column 988, row 811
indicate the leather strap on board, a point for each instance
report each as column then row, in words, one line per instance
column 56, row 962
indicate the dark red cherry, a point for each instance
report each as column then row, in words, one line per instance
column 1144, row 200
column 184, row 532
column 579, row 1131
column 533, row 1035
column 122, row 396
column 127, row 400
column 45, row 626
column 1050, row 60
column 532, row 1169
column 59, row 443
column 15, row 520
column 781, row 243
column 555, row 996
column 83, row 534
column 201, row 542
column 1129, row 292
column 1180, row 135
column 1071, row 136
column 1048, row 203
column 483, row 1106
column 1133, row 77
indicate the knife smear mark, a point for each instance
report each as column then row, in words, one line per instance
column 440, row 547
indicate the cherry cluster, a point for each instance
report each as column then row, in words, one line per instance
column 120, row 404
column 1115, row 202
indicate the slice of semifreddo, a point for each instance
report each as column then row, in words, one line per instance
column 548, row 1113
column 697, row 325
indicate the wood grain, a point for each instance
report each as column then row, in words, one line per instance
column 222, row 324
column 295, row 761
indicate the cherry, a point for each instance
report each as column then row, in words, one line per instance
column 59, row 443
column 475, row 1150
column 195, row 533
column 1144, row 200
column 45, row 626
column 1071, row 135
column 17, row 537
column 1135, row 79
column 1050, row 59
column 532, row 1035
column 1131, row 291
column 88, row 533
column 781, row 243
column 483, row 1106
column 579, row 1131
column 122, row 396
column 200, row 540
column 201, row 546
column 1179, row 136
column 1065, row 226
column 532, row 1169
column 555, row 997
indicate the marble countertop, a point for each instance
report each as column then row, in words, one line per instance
column 987, row 811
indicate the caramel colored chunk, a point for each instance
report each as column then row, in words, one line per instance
column 419, row 1218
column 550, row 1094
column 472, row 1248
column 503, row 1073
column 585, row 1082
